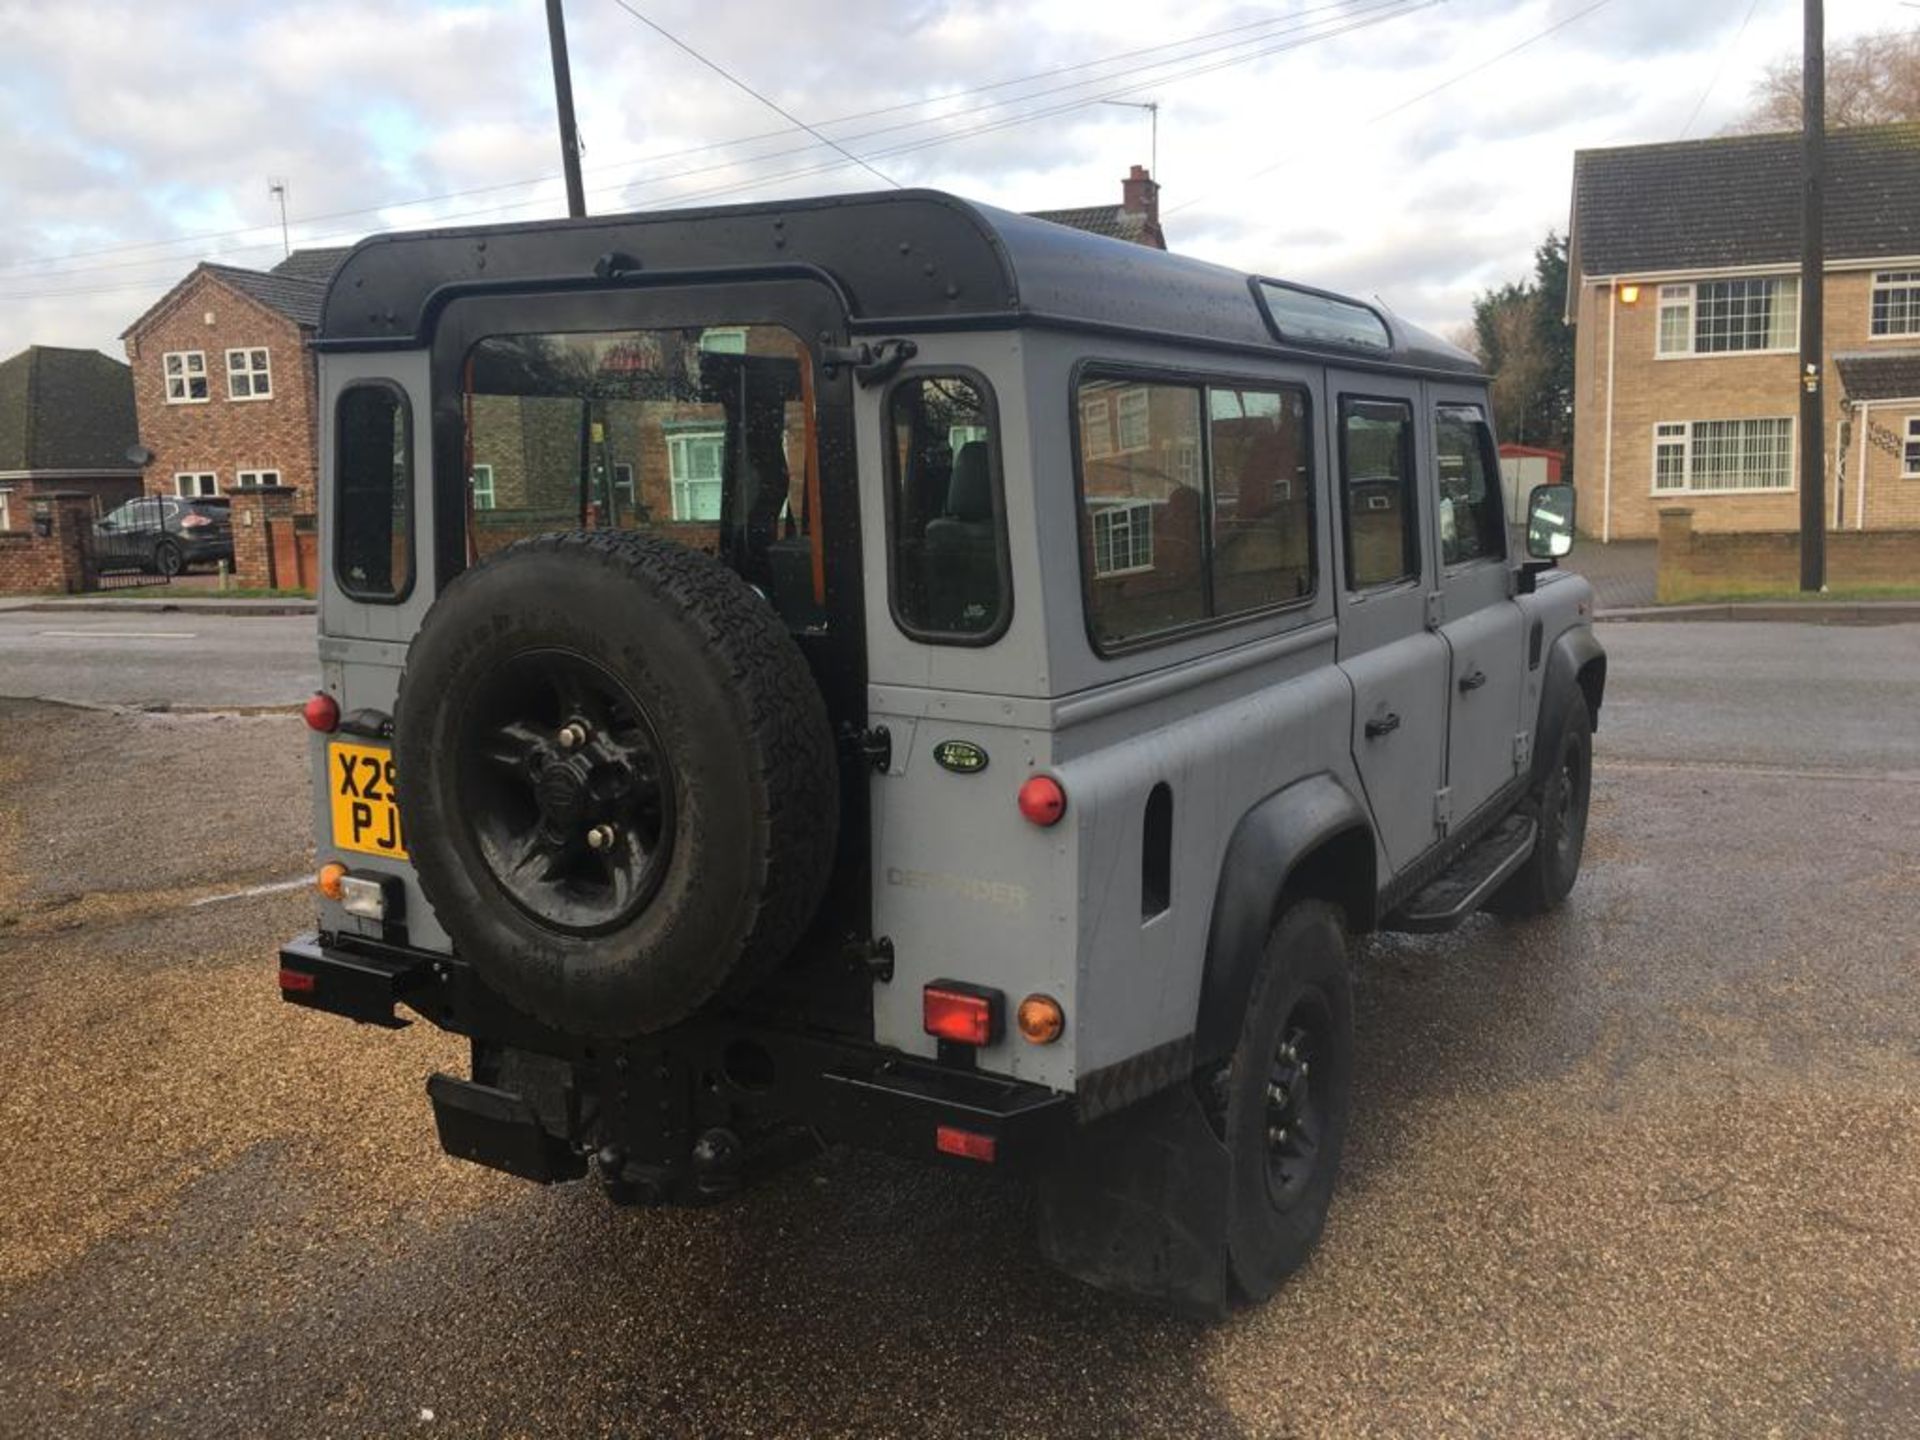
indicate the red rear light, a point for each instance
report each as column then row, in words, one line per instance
column 298, row 982
column 322, row 713
column 1042, row 800
column 193, row 522
column 967, row 1144
column 964, row 1014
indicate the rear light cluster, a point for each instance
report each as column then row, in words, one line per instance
column 964, row 1014
column 193, row 522
column 1042, row 800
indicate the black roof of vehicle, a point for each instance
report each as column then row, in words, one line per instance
column 905, row 259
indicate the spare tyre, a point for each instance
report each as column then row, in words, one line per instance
column 616, row 779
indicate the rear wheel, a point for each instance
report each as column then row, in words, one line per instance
column 1561, row 803
column 168, row 559
column 1287, row 1093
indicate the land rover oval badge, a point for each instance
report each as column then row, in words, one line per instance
column 963, row 757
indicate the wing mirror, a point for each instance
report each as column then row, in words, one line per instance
column 1550, row 512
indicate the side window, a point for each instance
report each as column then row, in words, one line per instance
column 373, row 473
column 1471, row 525
column 1262, row 498
column 945, row 512
column 1143, row 509
column 1378, row 513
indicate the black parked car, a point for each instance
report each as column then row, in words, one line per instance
column 165, row 534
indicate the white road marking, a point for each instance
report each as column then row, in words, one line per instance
column 121, row 634
column 273, row 889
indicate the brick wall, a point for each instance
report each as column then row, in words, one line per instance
column 1694, row 565
column 35, row 564
column 254, row 513
column 1710, row 387
column 225, row 435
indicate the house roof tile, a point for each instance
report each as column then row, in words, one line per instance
column 64, row 409
column 1114, row 221
column 1735, row 200
column 1880, row 374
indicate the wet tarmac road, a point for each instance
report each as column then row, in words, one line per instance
column 1647, row 1167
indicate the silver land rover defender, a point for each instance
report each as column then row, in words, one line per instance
column 888, row 670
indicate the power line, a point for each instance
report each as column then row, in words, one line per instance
column 1355, row 20
column 1423, row 95
column 496, row 186
column 739, row 84
column 1720, row 69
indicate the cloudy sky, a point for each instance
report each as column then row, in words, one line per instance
column 1413, row 150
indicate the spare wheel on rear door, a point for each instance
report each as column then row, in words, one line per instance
column 616, row 779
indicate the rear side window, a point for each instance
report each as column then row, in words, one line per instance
column 1471, row 525
column 1376, row 492
column 1196, row 503
column 373, row 474
column 945, row 509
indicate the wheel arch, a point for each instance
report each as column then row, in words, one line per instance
column 1576, row 664
column 1310, row 839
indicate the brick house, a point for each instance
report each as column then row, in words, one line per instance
column 1135, row 218
column 66, row 422
column 1684, row 271
column 222, row 380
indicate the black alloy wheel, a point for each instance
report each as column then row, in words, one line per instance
column 568, row 791
column 167, row 559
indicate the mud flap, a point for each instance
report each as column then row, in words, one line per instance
column 1138, row 1204
column 498, row 1129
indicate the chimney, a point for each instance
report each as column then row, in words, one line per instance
column 1140, row 195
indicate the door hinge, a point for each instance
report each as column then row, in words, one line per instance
column 1522, row 749
column 874, row 746
column 1442, row 809
column 1436, row 609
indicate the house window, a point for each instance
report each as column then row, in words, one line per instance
column 1134, row 428
column 247, row 375
column 254, row 479
column 1123, row 539
column 196, row 482
column 1720, row 317
column 1910, row 467
column 694, row 466
column 1709, row 456
column 623, row 487
column 724, row 340
column 1096, row 428
column 482, row 483
column 186, row 374
column 1896, row 303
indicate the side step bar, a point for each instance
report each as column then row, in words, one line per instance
column 1447, row 901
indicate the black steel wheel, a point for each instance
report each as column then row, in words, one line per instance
column 1560, row 802
column 616, row 779
column 569, row 791
column 1286, row 1096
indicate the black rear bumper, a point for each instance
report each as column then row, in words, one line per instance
column 653, row 1094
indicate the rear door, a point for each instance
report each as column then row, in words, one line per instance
column 1479, row 619
column 1395, row 661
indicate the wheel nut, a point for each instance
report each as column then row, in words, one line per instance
column 572, row 736
column 1277, row 1094
column 601, row 837
column 1277, row 1135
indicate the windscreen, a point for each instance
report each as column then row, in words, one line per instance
column 703, row 435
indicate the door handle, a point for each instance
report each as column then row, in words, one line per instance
column 1384, row 725
column 1473, row 681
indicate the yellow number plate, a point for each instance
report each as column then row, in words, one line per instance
column 365, row 818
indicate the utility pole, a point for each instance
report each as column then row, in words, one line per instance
column 1813, row 439
column 563, row 102
column 277, row 188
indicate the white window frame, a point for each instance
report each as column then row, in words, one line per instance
column 1130, row 406
column 259, row 479
column 256, row 377
column 1886, row 282
column 1686, row 298
column 1910, row 458
column 193, row 366
column 1134, row 519
column 483, row 496
column 6, row 500
column 1685, row 440
column 682, row 485
column 187, row 484
column 1096, row 427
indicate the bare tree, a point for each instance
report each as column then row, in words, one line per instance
column 1871, row 80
